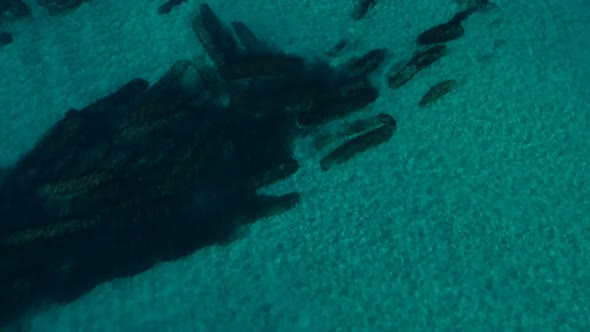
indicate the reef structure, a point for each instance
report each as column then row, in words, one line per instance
column 151, row 173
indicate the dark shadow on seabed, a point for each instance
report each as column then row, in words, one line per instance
column 153, row 173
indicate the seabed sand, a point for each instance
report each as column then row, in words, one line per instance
column 475, row 215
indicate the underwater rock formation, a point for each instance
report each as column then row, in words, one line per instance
column 348, row 130
column 450, row 30
column 216, row 38
column 366, row 64
column 318, row 93
column 153, row 173
column 351, row 92
column 360, row 143
column 362, row 7
column 436, row 92
column 336, row 50
column 262, row 66
column 167, row 7
column 420, row 61
column 60, row 7
column 248, row 39
column 442, row 33
column 138, row 177
column 339, row 103
column 14, row 9
column 5, row 38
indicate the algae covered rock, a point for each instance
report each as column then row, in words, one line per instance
column 437, row 91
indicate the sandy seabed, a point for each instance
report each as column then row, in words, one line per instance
column 475, row 216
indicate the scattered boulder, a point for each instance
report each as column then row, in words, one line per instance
column 361, row 8
column 421, row 60
column 167, row 7
column 437, row 91
column 5, row 38
column 60, row 7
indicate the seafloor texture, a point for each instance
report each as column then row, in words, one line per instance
column 474, row 216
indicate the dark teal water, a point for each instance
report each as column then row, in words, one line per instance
column 472, row 217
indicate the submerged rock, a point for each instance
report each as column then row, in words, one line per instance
column 261, row 66
column 141, row 176
column 60, row 7
column 420, row 61
column 366, row 64
column 441, row 33
column 336, row 50
column 14, row 9
column 248, row 39
column 215, row 37
column 362, row 7
column 358, row 144
column 335, row 106
column 152, row 173
column 167, row 7
column 5, row 38
column 436, row 92
column 452, row 29
column 349, row 129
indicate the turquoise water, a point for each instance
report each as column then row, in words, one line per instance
column 475, row 216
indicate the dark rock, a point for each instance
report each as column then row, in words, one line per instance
column 335, row 106
column 248, row 39
column 60, row 7
column 282, row 171
column 5, row 38
column 4, row 171
column 180, row 82
column 421, row 60
column 452, row 29
column 284, row 92
column 366, row 64
column 151, row 174
column 271, row 205
column 337, row 49
column 215, row 37
column 436, row 92
column 16, row 9
column 476, row 4
column 261, row 65
column 130, row 181
column 358, row 144
column 233, row 62
column 362, row 7
column 441, row 33
column 167, row 7
column 351, row 128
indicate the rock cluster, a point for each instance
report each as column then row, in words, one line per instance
column 152, row 173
